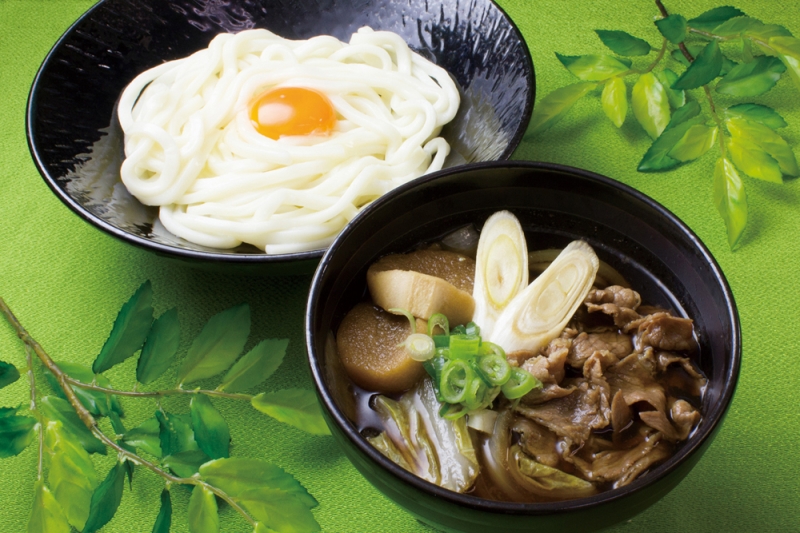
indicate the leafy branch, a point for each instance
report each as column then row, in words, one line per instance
column 184, row 449
column 745, row 133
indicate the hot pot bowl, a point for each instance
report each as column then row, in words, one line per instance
column 648, row 245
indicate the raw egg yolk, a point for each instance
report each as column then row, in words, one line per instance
column 292, row 111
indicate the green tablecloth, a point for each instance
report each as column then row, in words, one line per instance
column 66, row 280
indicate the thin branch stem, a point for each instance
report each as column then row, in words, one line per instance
column 158, row 393
column 658, row 58
column 88, row 420
column 32, row 385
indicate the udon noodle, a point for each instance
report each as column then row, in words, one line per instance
column 192, row 149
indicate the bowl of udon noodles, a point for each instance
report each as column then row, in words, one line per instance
column 244, row 135
column 517, row 346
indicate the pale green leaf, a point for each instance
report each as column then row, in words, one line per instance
column 261, row 528
column 218, row 344
column 236, row 476
column 676, row 98
column 673, row 28
column 129, row 330
column 210, row 429
column 53, row 408
column 752, row 79
column 145, row 437
column 695, row 142
column 730, row 199
column 552, row 107
column 164, row 518
column 46, row 515
column 16, row 433
column 105, row 499
column 737, row 26
column 296, row 407
column 97, row 403
column 623, row 43
column 788, row 49
column 767, row 140
column 615, row 100
column 765, row 32
column 175, row 433
column 712, row 18
column 185, row 464
column 650, row 104
column 706, row 66
column 283, row 512
column 594, row 67
column 754, row 161
column 259, row 364
column 757, row 113
column 71, row 474
column 160, row 348
column 203, row 514
column 8, row 374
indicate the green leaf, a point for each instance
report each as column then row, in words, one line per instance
column 160, row 347
column 164, row 518
column 657, row 156
column 203, row 514
column 46, row 514
column 210, row 429
column 752, row 79
column 767, row 140
column 712, row 18
column 594, row 67
column 554, row 106
column 261, row 528
column 129, row 330
column 765, row 32
column 757, row 113
column 695, row 49
column 16, row 432
column 676, row 98
column 53, row 408
column 6, row 412
column 695, row 142
column 259, row 364
column 623, row 43
column 730, row 199
column 8, row 374
column 98, row 403
column 737, row 26
column 145, row 437
column 71, row 474
column 280, row 511
column 788, row 49
column 218, row 345
column 650, row 104
column 747, row 50
column 175, row 433
column 185, row 464
column 673, row 28
column 296, row 407
column 706, row 66
column 615, row 100
column 105, row 499
column 754, row 161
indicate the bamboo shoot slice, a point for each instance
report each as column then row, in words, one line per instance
column 501, row 268
column 539, row 314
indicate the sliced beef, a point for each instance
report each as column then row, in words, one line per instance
column 586, row 344
column 685, row 417
column 615, row 301
column 537, row 441
column 549, row 391
column 549, row 368
column 664, row 332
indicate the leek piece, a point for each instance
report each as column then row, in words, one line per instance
column 482, row 420
column 420, row 347
column 501, row 268
column 538, row 314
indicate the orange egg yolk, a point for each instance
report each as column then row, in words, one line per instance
column 292, row 111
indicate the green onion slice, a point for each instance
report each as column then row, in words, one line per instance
column 494, row 369
column 438, row 319
column 420, row 347
column 472, row 329
column 464, row 346
column 454, row 380
column 519, row 384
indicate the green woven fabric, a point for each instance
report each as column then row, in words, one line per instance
column 66, row 281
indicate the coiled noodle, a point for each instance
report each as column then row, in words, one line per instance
column 191, row 148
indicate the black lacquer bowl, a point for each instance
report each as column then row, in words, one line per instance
column 76, row 141
column 650, row 247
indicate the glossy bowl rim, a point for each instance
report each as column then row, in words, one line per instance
column 689, row 448
column 213, row 256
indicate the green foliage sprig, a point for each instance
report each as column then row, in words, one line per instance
column 745, row 133
column 183, row 448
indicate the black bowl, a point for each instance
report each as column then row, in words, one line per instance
column 555, row 204
column 76, row 141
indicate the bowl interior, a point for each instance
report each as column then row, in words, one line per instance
column 656, row 253
column 77, row 144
